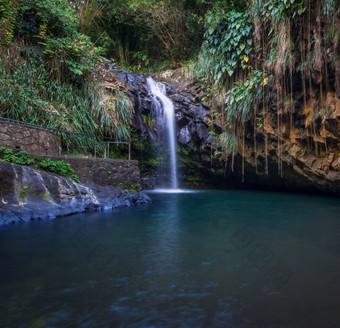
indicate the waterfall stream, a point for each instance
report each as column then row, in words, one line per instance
column 165, row 107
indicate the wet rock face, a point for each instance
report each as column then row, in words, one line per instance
column 27, row 194
column 192, row 117
column 303, row 169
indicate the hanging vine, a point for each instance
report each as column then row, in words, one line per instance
column 261, row 56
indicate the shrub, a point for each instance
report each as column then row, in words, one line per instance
column 59, row 167
column 20, row 158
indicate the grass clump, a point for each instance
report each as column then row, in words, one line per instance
column 28, row 93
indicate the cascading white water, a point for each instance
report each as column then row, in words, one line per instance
column 158, row 90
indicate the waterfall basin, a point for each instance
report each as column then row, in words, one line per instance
column 171, row 191
column 201, row 259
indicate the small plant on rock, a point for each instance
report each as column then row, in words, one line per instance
column 59, row 167
column 20, row 158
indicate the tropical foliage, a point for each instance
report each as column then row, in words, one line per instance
column 48, row 72
column 228, row 43
column 257, row 54
column 250, row 57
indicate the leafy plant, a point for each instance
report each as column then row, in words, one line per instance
column 59, row 167
column 240, row 98
column 227, row 46
column 20, row 158
column 149, row 120
column 259, row 122
column 303, row 152
column 54, row 26
column 8, row 10
column 276, row 10
column 141, row 58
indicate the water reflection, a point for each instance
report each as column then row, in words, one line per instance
column 171, row 191
column 164, row 244
column 188, row 260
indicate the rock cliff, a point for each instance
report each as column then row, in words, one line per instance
column 309, row 158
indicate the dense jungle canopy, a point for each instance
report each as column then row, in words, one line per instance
column 261, row 61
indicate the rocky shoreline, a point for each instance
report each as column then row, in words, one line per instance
column 27, row 194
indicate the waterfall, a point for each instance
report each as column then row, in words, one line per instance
column 158, row 90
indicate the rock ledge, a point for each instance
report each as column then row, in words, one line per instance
column 27, row 194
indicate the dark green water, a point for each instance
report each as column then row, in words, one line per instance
column 208, row 259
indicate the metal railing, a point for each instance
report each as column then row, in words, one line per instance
column 107, row 140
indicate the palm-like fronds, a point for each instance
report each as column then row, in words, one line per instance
column 228, row 142
column 27, row 93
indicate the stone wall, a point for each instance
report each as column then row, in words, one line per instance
column 33, row 140
column 122, row 174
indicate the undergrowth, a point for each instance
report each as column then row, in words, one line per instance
column 59, row 167
column 27, row 93
column 47, row 73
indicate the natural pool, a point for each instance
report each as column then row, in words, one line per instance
column 206, row 259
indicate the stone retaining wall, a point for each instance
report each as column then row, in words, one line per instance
column 35, row 141
column 122, row 174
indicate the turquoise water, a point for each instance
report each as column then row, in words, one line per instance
column 207, row 259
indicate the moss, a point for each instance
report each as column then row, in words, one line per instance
column 128, row 187
column 134, row 187
column 48, row 196
column 23, row 193
column 148, row 152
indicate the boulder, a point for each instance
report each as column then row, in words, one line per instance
column 28, row 194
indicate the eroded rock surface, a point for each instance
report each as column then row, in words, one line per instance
column 27, row 194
